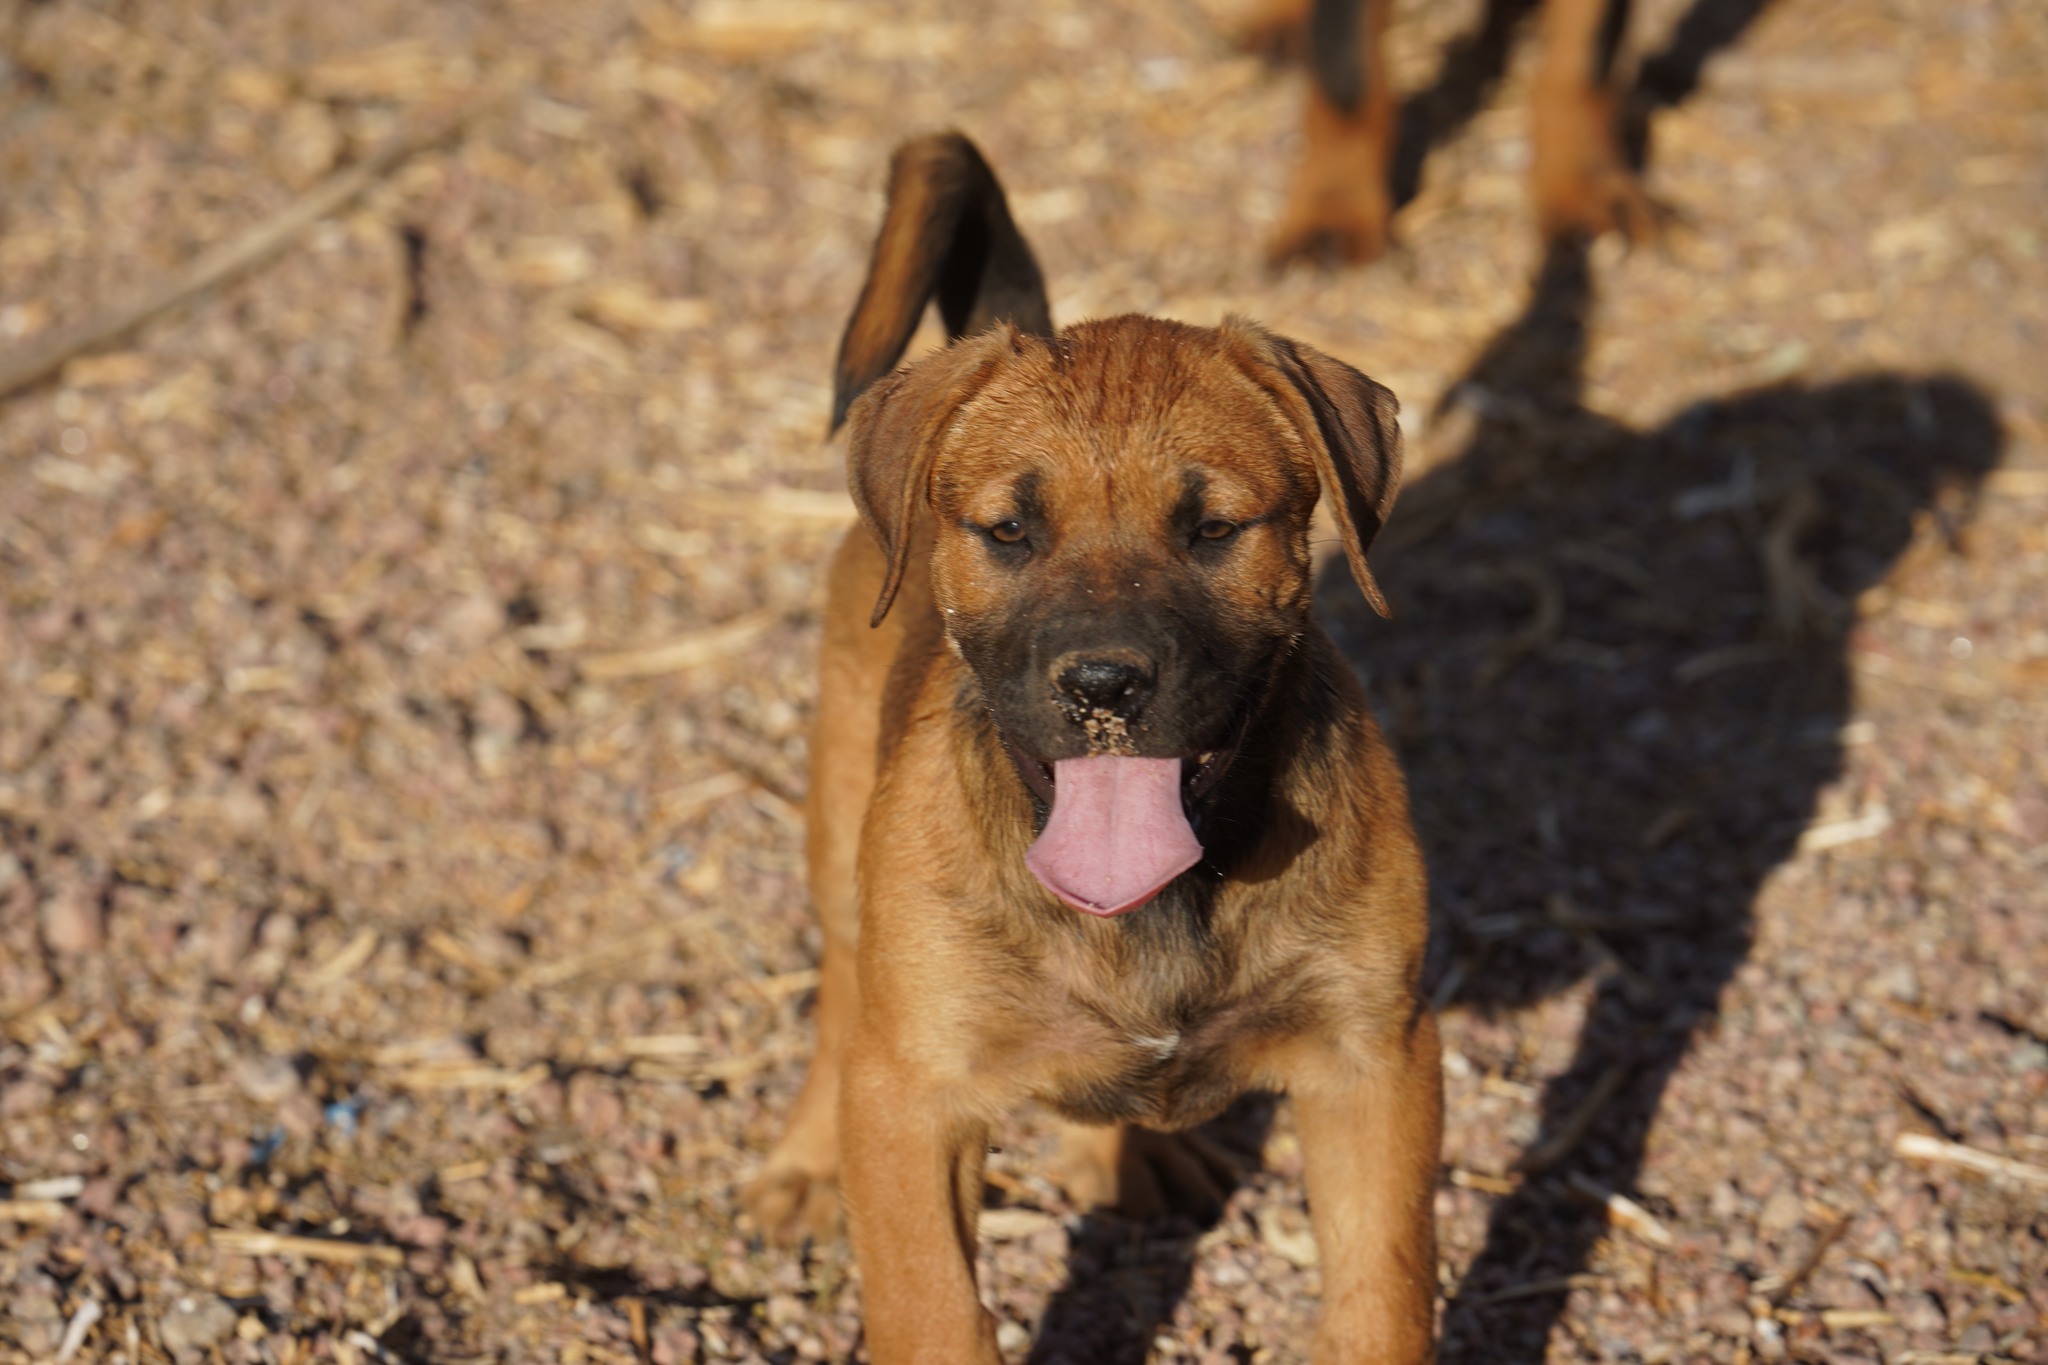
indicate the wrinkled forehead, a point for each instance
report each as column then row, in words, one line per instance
column 1134, row 419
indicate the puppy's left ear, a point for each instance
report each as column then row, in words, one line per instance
column 1350, row 425
column 894, row 431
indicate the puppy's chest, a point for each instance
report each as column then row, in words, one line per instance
column 1167, row 1055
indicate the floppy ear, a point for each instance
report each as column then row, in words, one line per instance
column 1350, row 425
column 895, row 429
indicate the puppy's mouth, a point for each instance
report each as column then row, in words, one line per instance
column 1199, row 774
column 1120, row 827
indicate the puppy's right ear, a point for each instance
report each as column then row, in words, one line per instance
column 895, row 429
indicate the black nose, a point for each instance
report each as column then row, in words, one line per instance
column 1118, row 681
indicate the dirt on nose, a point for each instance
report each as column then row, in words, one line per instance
column 1107, row 733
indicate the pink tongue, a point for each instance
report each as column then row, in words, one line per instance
column 1116, row 834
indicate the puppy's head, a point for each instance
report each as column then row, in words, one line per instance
column 1120, row 547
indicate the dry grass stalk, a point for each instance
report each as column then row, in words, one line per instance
column 465, row 1077
column 1626, row 1214
column 638, row 945
column 784, row 984
column 231, row 258
column 244, row 1242
column 1921, row 1147
column 689, row 651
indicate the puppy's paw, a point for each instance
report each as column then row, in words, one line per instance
column 787, row 1205
column 1144, row 1174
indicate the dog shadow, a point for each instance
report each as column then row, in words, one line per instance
column 1618, row 678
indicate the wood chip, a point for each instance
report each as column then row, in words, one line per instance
column 1625, row 1213
column 1484, row 1183
column 533, row 1295
column 1841, row 833
column 345, row 963
column 1848, row 1319
column 690, row 651
column 1921, row 1147
column 1288, row 1236
column 75, row 1331
column 244, row 1242
column 1014, row 1224
column 37, row 1211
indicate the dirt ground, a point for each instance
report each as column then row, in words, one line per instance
column 405, row 658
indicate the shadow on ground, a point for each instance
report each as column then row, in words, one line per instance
column 1617, row 676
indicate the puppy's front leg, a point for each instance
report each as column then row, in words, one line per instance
column 911, row 1174
column 1371, row 1135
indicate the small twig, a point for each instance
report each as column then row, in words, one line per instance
column 230, row 259
column 1529, row 1289
column 470, row 1077
column 1778, row 1288
column 1789, row 585
column 243, row 1242
column 1921, row 1147
column 31, row 1211
column 1572, row 1129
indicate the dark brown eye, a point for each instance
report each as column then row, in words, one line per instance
column 1007, row 532
column 1216, row 530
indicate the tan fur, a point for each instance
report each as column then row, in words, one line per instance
column 970, row 990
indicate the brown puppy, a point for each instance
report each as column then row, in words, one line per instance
column 1340, row 200
column 1100, row 818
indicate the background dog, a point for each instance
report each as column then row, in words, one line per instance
column 1342, row 193
column 1099, row 817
